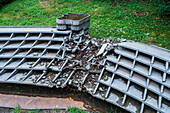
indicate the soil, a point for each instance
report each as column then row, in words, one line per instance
column 91, row 103
column 72, row 16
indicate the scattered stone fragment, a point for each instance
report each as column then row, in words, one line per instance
column 58, row 83
column 101, row 89
column 35, row 54
column 42, row 63
column 106, row 78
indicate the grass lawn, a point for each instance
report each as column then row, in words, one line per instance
column 18, row 109
column 69, row 110
column 137, row 21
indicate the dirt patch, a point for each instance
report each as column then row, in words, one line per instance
column 73, row 16
column 45, row 4
column 8, row 16
column 91, row 103
column 141, row 13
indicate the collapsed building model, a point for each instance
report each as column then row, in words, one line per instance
column 133, row 76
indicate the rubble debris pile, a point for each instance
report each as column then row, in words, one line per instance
column 131, row 75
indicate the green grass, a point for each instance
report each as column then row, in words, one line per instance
column 76, row 110
column 108, row 19
column 18, row 109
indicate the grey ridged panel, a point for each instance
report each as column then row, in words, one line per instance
column 136, row 77
column 27, row 53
